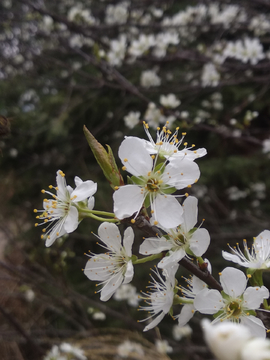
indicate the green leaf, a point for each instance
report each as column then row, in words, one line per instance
column 105, row 160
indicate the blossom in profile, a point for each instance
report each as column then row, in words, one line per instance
column 167, row 145
column 258, row 257
column 180, row 241
column 113, row 268
column 237, row 303
column 159, row 297
column 152, row 184
column 60, row 214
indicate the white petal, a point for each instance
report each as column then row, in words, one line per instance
column 139, row 161
column 78, row 181
column 199, row 242
column 208, row 301
column 97, row 267
column 72, row 220
column 154, row 246
column 154, row 323
column 128, row 240
column 57, row 228
column 91, row 203
column 167, row 211
column 111, row 286
column 194, row 154
column 186, row 314
column 234, row 258
column 253, row 296
column 61, row 185
column 110, row 235
column 233, row 281
column 181, row 173
column 190, row 207
column 128, row 199
column 197, row 284
column 84, row 190
column 129, row 273
column 255, row 325
column 174, row 257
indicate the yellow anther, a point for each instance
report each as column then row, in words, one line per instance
column 125, row 160
column 124, row 168
column 152, row 211
column 193, row 145
column 184, row 134
column 189, row 186
column 42, row 236
column 249, row 276
column 155, row 222
column 185, row 143
column 220, row 274
column 116, row 187
column 50, row 187
column 35, row 210
column 43, row 191
column 36, row 224
column 152, row 156
column 132, row 221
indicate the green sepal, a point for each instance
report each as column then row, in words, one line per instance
column 105, row 160
column 169, row 190
column 138, row 180
column 171, row 312
column 134, row 258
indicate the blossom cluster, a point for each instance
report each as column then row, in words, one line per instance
column 161, row 170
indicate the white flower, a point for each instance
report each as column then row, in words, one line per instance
column 60, row 213
column 266, row 146
column 130, row 349
column 237, row 304
column 167, row 145
column 73, row 350
column 149, row 78
column 257, row 258
column 181, row 240
column 127, row 292
column 98, row 315
column 159, row 297
column 132, row 119
column 163, row 346
column 179, row 332
column 117, row 51
column 256, row 349
column 226, row 340
column 140, row 46
column 195, row 285
column 210, row 75
column 152, row 185
column 154, row 116
column 169, row 101
column 115, row 266
column 117, row 14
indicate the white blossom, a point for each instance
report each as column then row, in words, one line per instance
column 117, row 14
column 226, row 340
column 61, row 214
column 132, row 119
column 183, row 240
column 153, row 116
column 179, row 332
column 152, row 185
column 130, row 349
column 115, row 266
column 159, row 297
column 149, row 78
column 163, row 346
column 238, row 304
column 169, row 101
column 258, row 257
column 210, row 75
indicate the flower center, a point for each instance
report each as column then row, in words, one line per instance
column 234, row 309
column 153, row 185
